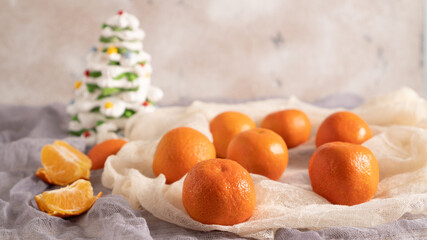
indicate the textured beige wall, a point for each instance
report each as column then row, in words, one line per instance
column 219, row 49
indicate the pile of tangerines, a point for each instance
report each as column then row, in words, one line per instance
column 218, row 188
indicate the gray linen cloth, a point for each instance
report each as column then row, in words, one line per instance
column 25, row 130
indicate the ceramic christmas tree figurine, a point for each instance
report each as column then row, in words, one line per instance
column 116, row 84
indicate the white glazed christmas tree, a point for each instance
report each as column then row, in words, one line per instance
column 117, row 82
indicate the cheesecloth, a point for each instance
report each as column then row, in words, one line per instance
column 399, row 123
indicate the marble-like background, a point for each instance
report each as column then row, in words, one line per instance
column 220, row 49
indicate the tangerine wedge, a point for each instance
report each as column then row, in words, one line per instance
column 63, row 164
column 71, row 200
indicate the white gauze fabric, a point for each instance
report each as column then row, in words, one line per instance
column 399, row 123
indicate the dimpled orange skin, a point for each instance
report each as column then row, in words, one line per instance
column 179, row 150
column 225, row 126
column 219, row 191
column 100, row 152
column 292, row 125
column 260, row 151
column 344, row 173
column 343, row 127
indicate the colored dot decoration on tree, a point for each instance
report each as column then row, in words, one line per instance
column 120, row 12
column 87, row 73
column 77, row 84
column 112, row 50
column 145, row 104
column 108, row 105
column 142, row 64
column 127, row 55
column 86, row 134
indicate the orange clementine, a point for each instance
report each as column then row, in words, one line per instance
column 344, row 173
column 219, row 191
column 179, row 150
column 292, row 125
column 260, row 151
column 225, row 127
column 63, row 164
column 71, row 200
column 343, row 127
column 100, row 152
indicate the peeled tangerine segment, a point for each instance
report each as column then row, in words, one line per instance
column 63, row 164
column 71, row 200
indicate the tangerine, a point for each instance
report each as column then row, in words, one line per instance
column 343, row 127
column 219, row 191
column 292, row 125
column 260, row 151
column 63, row 164
column 179, row 150
column 100, row 152
column 225, row 126
column 344, row 173
column 71, row 200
